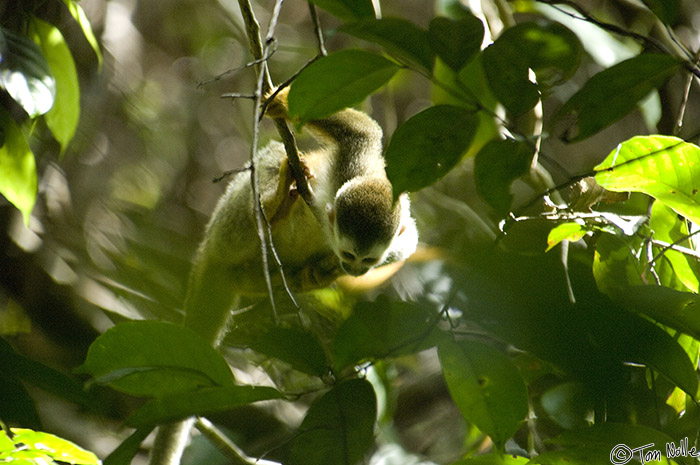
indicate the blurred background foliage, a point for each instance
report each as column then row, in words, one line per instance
column 120, row 213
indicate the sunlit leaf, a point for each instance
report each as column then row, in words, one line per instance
column 153, row 359
column 399, row 37
column 200, row 402
column 428, row 146
column 613, row 93
column 300, row 349
column 25, row 74
column 675, row 269
column 6, row 444
column 570, row 231
column 338, row 428
column 664, row 167
column 493, row 459
column 486, row 386
column 549, row 49
column 79, row 15
column 54, row 447
column 496, row 166
column 18, row 179
column 471, row 77
column 347, row 10
column 456, row 42
column 381, row 329
column 337, row 81
column 63, row 117
column 614, row 264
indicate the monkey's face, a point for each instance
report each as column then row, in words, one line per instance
column 365, row 221
column 354, row 260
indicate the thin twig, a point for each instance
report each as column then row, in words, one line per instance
column 235, row 454
column 686, row 95
column 228, row 173
column 250, row 64
column 234, row 95
column 264, row 84
column 279, row 263
column 674, row 246
column 317, row 30
column 647, row 42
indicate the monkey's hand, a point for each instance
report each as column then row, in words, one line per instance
column 316, row 274
column 306, row 172
column 277, row 103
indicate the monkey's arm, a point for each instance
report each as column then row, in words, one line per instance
column 355, row 135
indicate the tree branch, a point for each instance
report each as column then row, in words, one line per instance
column 256, row 48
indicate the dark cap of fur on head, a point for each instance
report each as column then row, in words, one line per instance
column 365, row 211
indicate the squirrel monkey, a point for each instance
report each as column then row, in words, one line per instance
column 352, row 225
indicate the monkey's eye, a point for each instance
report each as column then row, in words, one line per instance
column 369, row 261
column 347, row 255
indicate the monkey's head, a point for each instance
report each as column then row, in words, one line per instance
column 365, row 222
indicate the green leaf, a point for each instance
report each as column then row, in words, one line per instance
column 54, row 447
column 399, row 37
column 644, row 342
column 22, row 410
column 613, row 93
column 204, row 401
column 603, row 440
column 6, row 444
column 666, row 10
column 338, row 428
column 496, row 166
column 428, row 146
column 25, row 74
column 674, row 268
column 456, row 42
column 127, row 450
column 568, row 404
column 300, row 349
column 551, row 50
column 486, row 386
column 337, row 81
column 347, row 10
column 614, row 264
column 381, row 329
column 154, row 359
column 678, row 310
column 570, row 231
column 20, row 367
column 79, row 15
column 63, row 117
column 493, row 459
column 18, row 181
column 664, row 167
